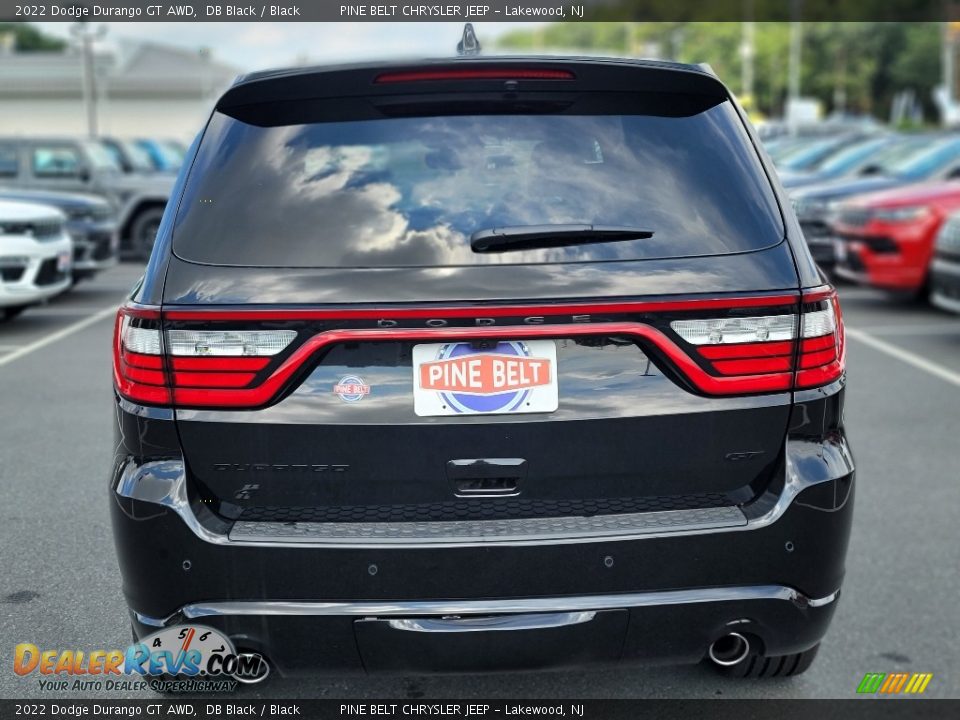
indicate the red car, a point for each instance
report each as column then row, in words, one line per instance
column 886, row 239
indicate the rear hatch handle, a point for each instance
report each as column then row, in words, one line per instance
column 487, row 477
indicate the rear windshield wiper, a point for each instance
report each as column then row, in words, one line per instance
column 526, row 237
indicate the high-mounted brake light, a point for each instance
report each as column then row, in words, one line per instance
column 473, row 74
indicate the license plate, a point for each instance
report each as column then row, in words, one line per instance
column 462, row 378
column 64, row 260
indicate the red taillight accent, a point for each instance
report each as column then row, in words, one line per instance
column 816, row 359
column 747, row 350
column 145, row 377
column 212, row 379
column 754, row 366
column 151, row 362
column 220, row 364
column 820, row 343
column 473, row 74
column 265, row 392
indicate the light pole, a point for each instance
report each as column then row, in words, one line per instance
column 747, row 52
column 793, row 80
column 86, row 38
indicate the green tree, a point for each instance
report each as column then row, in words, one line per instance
column 855, row 66
column 27, row 38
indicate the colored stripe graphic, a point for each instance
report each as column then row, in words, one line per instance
column 923, row 679
column 894, row 683
column 871, row 682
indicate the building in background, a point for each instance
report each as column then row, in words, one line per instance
column 142, row 89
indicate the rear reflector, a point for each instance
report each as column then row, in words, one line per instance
column 473, row 74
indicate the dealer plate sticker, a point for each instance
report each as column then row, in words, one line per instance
column 462, row 378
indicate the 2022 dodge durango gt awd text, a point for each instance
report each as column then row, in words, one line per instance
column 483, row 364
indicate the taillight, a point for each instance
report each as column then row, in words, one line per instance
column 189, row 367
column 205, row 365
column 822, row 356
column 773, row 351
column 138, row 368
column 757, row 350
column 799, row 343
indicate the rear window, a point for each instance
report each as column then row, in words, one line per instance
column 410, row 191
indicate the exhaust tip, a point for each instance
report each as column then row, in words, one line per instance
column 729, row 650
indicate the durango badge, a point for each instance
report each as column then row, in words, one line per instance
column 509, row 377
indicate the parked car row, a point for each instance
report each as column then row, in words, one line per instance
column 876, row 208
column 35, row 255
column 119, row 171
column 70, row 207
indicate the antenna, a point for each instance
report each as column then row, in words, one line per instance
column 468, row 45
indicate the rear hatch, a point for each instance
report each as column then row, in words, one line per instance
column 478, row 292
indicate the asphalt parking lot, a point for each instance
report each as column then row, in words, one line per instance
column 60, row 587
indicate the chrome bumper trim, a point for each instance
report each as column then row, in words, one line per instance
column 562, row 529
column 518, row 606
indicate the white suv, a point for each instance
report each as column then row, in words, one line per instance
column 35, row 256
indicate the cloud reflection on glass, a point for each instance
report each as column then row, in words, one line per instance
column 409, row 192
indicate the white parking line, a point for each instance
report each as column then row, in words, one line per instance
column 60, row 311
column 846, row 293
column 59, row 335
column 906, row 356
column 940, row 329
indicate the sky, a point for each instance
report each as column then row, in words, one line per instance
column 254, row 46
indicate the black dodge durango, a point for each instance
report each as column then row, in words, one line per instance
column 483, row 364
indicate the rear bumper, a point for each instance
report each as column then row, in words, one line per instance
column 528, row 633
column 659, row 592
